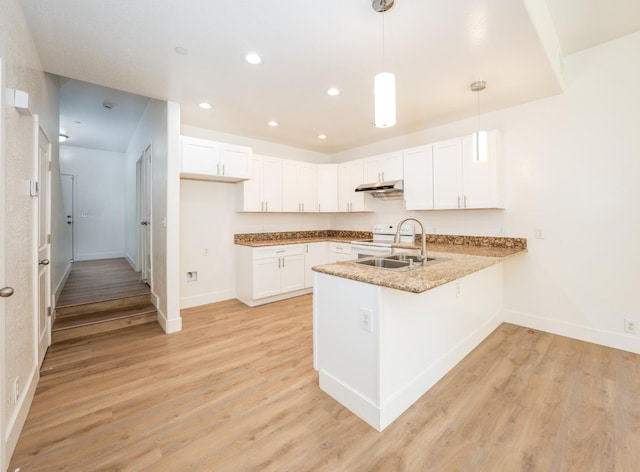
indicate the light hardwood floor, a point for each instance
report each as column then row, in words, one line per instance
column 236, row 391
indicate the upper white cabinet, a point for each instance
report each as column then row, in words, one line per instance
column 418, row 178
column 383, row 167
column 263, row 192
column 327, row 188
column 464, row 179
column 203, row 159
column 299, row 187
column 350, row 175
column 447, row 174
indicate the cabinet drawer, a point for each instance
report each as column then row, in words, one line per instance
column 277, row 251
column 341, row 248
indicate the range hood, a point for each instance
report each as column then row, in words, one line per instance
column 387, row 190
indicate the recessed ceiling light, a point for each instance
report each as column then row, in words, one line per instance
column 322, row 136
column 62, row 138
column 273, row 123
column 182, row 51
column 253, row 58
column 333, row 91
column 205, row 106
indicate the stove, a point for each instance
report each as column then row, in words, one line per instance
column 383, row 236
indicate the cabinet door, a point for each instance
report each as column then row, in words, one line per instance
column 266, row 277
column 372, row 170
column 356, row 176
column 447, row 174
column 345, row 190
column 391, row 166
column 327, row 188
column 480, row 176
column 251, row 192
column 272, row 183
column 292, row 273
column 308, row 187
column 418, row 178
column 290, row 188
column 235, row 162
column 315, row 254
column 200, row 156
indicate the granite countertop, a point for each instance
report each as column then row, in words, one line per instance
column 278, row 242
column 456, row 262
column 298, row 237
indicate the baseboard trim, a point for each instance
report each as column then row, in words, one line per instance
column 63, row 281
column 169, row 326
column 98, row 256
column 17, row 420
column 132, row 262
column 620, row 341
column 206, row 298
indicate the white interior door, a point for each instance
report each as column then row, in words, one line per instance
column 44, row 245
column 5, row 291
column 69, row 209
column 145, row 233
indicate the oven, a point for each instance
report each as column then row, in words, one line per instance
column 381, row 244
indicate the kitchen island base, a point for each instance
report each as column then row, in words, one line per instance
column 378, row 349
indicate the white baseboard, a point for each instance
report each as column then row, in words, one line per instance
column 624, row 342
column 63, row 281
column 16, row 422
column 168, row 325
column 206, row 298
column 99, row 255
column 132, row 262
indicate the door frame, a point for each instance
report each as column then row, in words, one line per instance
column 42, row 295
column 4, row 463
column 143, row 214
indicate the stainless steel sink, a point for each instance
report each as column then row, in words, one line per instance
column 396, row 262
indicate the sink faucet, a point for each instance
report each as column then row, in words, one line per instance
column 423, row 249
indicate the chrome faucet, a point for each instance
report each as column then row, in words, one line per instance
column 423, row 249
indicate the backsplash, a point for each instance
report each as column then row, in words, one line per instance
column 482, row 241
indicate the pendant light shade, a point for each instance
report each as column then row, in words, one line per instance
column 384, row 90
column 480, row 149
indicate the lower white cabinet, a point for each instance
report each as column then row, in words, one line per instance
column 271, row 273
column 339, row 252
column 314, row 254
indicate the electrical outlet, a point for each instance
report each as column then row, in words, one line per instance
column 192, row 276
column 365, row 320
column 457, row 289
column 539, row 233
column 631, row 326
column 205, row 251
column 16, row 390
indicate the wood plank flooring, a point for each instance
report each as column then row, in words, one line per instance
column 104, row 279
column 236, row 391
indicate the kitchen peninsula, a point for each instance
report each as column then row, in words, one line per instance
column 382, row 338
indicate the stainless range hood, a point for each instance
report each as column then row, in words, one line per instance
column 387, row 190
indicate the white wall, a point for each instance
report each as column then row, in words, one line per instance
column 100, row 201
column 573, row 171
column 208, row 220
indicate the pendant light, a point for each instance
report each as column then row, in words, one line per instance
column 384, row 83
column 479, row 137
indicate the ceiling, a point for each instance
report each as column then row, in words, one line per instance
column 435, row 48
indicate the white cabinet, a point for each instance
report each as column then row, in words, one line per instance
column 447, row 174
column 418, row 178
column 299, row 187
column 263, row 191
column 350, row 175
column 314, row 254
column 327, row 188
column 383, row 167
column 462, row 180
column 269, row 273
column 203, row 159
column 339, row 252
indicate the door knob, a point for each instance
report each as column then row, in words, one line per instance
column 6, row 292
column 43, row 262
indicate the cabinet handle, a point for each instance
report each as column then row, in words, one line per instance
column 307, row 248
column 262, row 205
column 382, row 175
column 465, row 201
column 458, row 201
column 303, row 207
column 279, row 262
column 222, row 169
column 283, row 262
column 281, row 251
column 266, row 205
column 218, row 168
